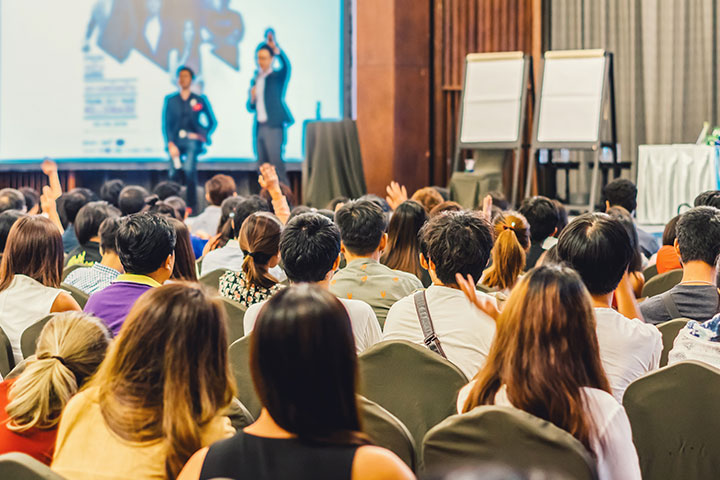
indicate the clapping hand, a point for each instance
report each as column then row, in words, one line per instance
column 396, row 194
column 467, row 285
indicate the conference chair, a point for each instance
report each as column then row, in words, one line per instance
column 29, row 336
column 236, row 314
column 240, row 417
column 650, row 272
column 507, row 436
column 413, row 383
column 198, row 266
column 669, row 331
column 240, row 365
column 7, row 360
column 662, row 283
column 673, row 414
column 212, row 279
column 19, row 466
column 80, row 297
column 67, row 270
column 385, row 430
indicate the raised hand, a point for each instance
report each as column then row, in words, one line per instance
column 268, row 178
column 487, row 208
column 396, row 194
column 48, row 166
column 467, row 285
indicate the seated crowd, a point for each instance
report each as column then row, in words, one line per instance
column 537, row 313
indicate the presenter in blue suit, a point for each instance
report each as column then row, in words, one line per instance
column 267, row 101
column 188, row 122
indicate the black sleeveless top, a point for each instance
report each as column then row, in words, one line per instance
column 246, row 456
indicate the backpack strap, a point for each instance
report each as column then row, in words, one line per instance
column 670, row 305
column 430, row 339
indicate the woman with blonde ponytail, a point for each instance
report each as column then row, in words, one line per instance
column 259, row 240
column 512, row 242
column 69, row 350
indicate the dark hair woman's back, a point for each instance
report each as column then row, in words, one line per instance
column 403, row 246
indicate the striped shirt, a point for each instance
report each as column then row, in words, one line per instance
column 91, row 279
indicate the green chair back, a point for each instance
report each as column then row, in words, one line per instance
column 650, row 272
column 240, row 364
column 80, row 297
column 19, row 466
column 385, row 430
column 675, row 428
column 669, row 331
column 7, row 360
column 413, row 383
column 212, row 279
column 507, row 436
column 236, row 314
column 29, row 337
column 66, row 271
column 662, row 283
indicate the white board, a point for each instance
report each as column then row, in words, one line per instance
column 492, row 98
column 571, row 96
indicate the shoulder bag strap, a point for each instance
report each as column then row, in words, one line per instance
column 431, row 340
column 670, row 305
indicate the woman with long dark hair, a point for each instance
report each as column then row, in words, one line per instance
column 403, row 245
column 184, row 268
column 635, row 268
column 545, row 360
column 303, row 364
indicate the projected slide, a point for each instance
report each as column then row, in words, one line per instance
column 86, row 79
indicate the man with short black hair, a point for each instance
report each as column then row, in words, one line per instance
column 543, row 217
column 167, row 188
column 87, row 231
column 132, row 199
column 71, row 203
column 217, row 189
column 12, row 199
column 310, row 249
column 110, row 191
column 146, row 247
column 599, row 248
column 452, row 243
column 697, row 242
column 362, row 227
column 623, row 193
column 104, row 272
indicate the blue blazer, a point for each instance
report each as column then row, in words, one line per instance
column 173, row 110
column 275, row 86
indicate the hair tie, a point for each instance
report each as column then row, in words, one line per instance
column 259, row 257
column 60, row 359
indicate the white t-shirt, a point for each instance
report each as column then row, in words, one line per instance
column 465, row 332
column 629, row 348
column 616, row 454
column 365, row 325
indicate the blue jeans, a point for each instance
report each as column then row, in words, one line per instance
column 189, row 151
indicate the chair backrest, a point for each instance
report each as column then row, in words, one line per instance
column 80, row 297
column 674, row 425
column 19, row 466
column 391, row 373
column 650, row 272
column 387, row 431
column 508, row 436
column 240, row 364
column 66, row 271
column 236, row 314
column 239, row 415
column 198, row 266
column 662, row 283
column 669, row 331
column 29, row 337
column 7, row 360
column 212, row 279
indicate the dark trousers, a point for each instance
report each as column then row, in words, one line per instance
column 269, row 145
column 189, row 151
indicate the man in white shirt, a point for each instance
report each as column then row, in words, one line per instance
column 217, row 189
column 456, row 242
column 310, row 249
column 600, row 249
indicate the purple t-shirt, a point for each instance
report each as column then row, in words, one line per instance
column 113, row 303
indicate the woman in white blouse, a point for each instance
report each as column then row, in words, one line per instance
column 545, row 360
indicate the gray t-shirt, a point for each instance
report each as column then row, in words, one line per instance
column 697, row 302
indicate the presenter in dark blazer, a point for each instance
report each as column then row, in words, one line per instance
column 267, row 101
column 188, row 122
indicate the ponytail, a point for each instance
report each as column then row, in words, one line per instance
column 508, row 253
column 256, row 270
column 260, row 241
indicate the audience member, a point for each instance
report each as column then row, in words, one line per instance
column 403, row 244
column 709, row 198
column 698, row 341
column 456, row 242
column 337, row 202
column 110, row 192
column 259, row 241
column 71, row 203
column 309, row 426
column 542, row 215
column 499, row 200
column 217, row 189
column 179, row 205
column 696, row 296
column 167, row 188
column 32, row 200
column 428, row 197
column 30, row 274
column 184, row 268
column 546, row 331
column 310, row 248
column 87, row 231
column 278, row 194
column 599, row 248
column 224, row 231
column 104, row 272
column 7, row 220
column 446, row 206
column 562, row 223
column 635, row 267
column 12, row 199
column 512, row 242
column 146, row 247
column 667, row 258
column 623, row 193
column 69, row 349
column 362, row 228
column 154, row 205
column 158, row 396
column 132, row 199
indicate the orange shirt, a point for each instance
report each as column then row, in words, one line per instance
column 667, row 259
